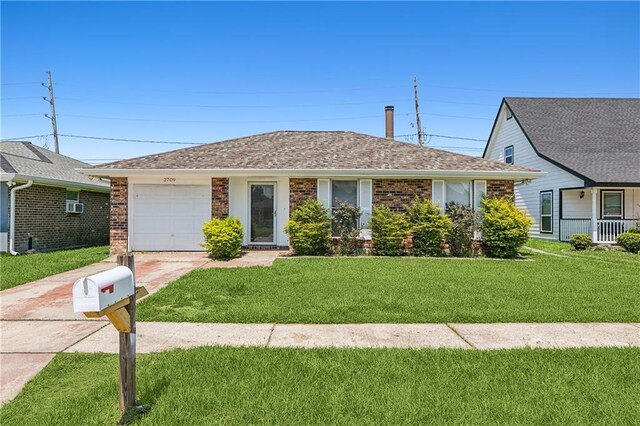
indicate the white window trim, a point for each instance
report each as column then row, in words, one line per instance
column 613, row 191
column 542, row 231
column 507, row 156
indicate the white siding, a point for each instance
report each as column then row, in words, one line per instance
column 527, row 195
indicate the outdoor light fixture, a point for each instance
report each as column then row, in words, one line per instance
column 581, row 194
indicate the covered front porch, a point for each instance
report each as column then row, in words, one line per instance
column 601, row 212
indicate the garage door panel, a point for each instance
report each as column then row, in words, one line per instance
column 170, row 217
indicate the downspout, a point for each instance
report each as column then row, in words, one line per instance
column 12, row 219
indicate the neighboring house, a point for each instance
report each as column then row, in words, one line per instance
column 55, row 205
column 590, row 151
column 159, row 202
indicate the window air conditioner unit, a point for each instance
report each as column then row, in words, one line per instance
column 75, row 207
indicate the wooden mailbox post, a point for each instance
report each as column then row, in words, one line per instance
column 121, row 313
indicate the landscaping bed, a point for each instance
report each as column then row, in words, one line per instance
column 16, row 270
column 215, row 385
column 542, row 288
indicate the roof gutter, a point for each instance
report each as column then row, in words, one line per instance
column 482, row 174
column 55, row 182
column 12, row 220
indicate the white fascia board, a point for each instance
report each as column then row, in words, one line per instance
column 58, row 183
column 422, row 174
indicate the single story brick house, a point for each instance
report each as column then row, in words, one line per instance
column 590, row 151
column 46, row 204
column 159, row 202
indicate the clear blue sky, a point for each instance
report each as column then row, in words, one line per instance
column 245, row 68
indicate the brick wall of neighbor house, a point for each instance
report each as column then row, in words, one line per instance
column 500, row 188
column 219, row 197
column 300, row 190
column 119, row 216
column 41, row 215
column 398, row 193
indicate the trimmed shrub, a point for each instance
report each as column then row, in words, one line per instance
column 345, row 222
column 634, row 230
column 630, row 241
column 463, row 226
column 223, row 237
column 388, row 230
column 428, row 226
column 580, row 241
column 309, row 229
column 504, row 227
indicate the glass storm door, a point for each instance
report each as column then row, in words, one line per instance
column 262, row 205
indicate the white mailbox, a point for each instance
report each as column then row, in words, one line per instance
column 97, row 292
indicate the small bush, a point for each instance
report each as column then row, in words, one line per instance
column 463, row 226
column 630, row 241
column 345, row 222
column 309, row 229
column 633, row 230
column 223, row 237
column 388, row 229
column 428, row 226
column 580, row 241
column 504, row 227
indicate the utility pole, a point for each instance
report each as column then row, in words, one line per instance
column 418, row 125
column 54, row 123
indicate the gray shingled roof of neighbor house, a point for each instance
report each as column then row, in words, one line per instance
column 597, row 138
column 305, row 150
column 23, row 160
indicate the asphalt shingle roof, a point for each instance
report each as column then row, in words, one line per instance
column 31, row 161
column 304, row 150
column 598, row 138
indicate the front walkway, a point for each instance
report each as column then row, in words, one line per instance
column 37, row 318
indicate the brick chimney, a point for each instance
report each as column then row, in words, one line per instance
column 388, row 121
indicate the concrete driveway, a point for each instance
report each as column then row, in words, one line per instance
column 37, row 318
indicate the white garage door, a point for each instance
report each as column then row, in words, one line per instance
column 170, row 217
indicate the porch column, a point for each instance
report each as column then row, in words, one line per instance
column 594, row 215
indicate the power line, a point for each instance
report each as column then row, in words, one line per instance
column 444, row 136
column 266, row 92
column 97, row 117
column 20, row 97
column 21, row 115
column 131, row 140
column 225, row 106
column 21, row 84
column 526, row 91
column 24, row 137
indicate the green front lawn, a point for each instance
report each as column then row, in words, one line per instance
column 217, row 385
column 583, row 287
column 16, row 270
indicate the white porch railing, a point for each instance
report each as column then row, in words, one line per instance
column 569, row 227
column 608, row 229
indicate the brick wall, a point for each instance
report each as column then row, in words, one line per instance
column 398, row 193
column 300, row 190
column 500, row 188
column 118, row 218
column 219, row 197
column 41, row 215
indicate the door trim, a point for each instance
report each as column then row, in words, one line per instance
column 275, row 217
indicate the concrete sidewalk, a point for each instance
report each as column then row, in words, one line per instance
column 91, row 336
column 25, row 350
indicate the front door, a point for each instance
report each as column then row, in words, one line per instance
column 262, row 213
